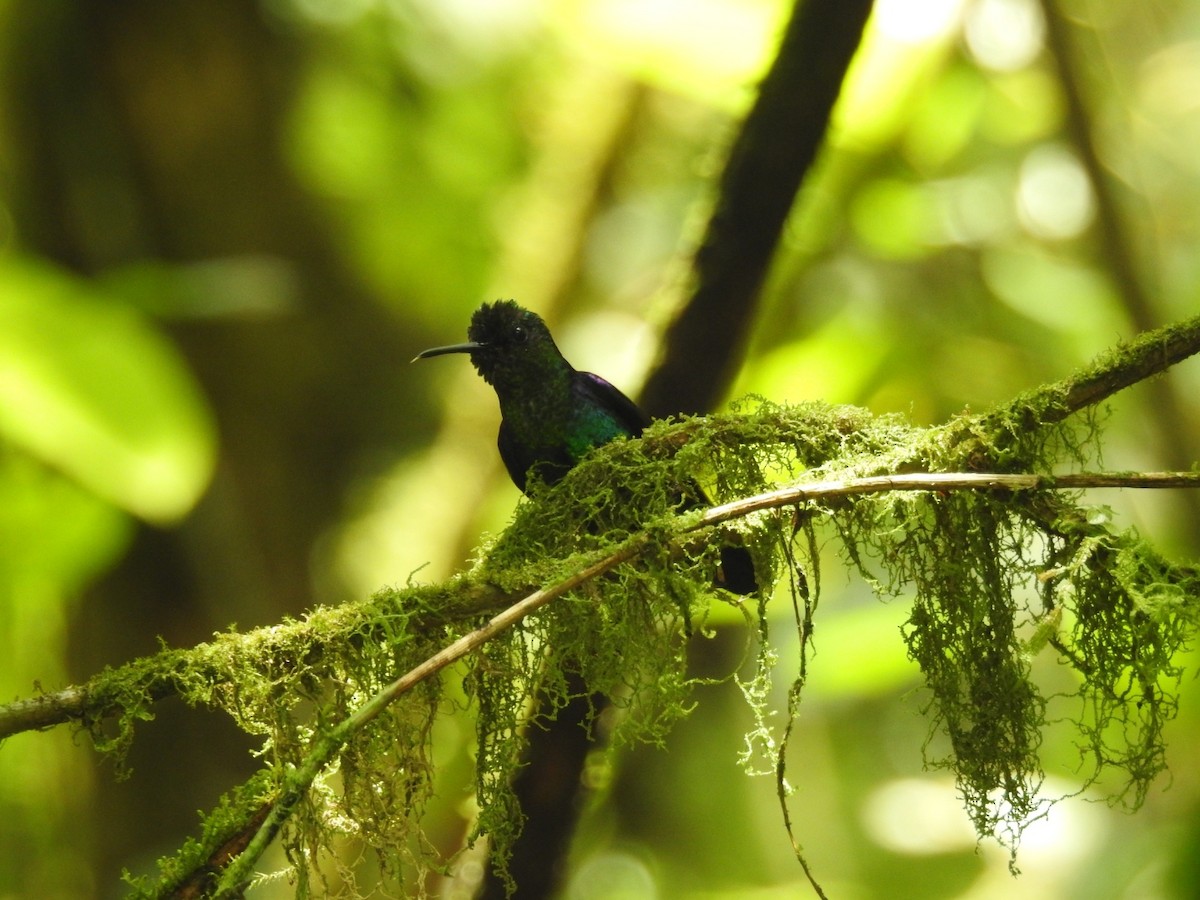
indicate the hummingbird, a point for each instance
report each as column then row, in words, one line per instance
column 552, row 414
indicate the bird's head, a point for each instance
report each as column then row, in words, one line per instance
column 507, row 343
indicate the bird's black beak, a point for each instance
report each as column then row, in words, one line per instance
column 468, row 347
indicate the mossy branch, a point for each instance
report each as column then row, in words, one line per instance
column 128, row 692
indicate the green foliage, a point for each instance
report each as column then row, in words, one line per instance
column 92, row 389
column 995, row 577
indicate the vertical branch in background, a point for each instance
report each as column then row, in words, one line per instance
column 1111, row 232
column 774, row 149
column 1116, row 248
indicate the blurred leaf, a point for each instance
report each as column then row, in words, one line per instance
column 1056, row 292
column 835, row 363
column 886, row 77
column 409, row 182
column 89, row 387
column 54, row 537
column 944, row 118
column 1021, row 107
column 896, row 219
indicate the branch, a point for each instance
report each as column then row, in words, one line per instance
column 934, row 481
column 774, row 149
column 1148, row 354
column 137, row 685
column 838, row 442
column 46, row 710
column 300, row 779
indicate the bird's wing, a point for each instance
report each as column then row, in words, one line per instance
column 602, row 393
column 736, row 572
column 555, row 460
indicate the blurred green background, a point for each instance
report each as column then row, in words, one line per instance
column 227, row 226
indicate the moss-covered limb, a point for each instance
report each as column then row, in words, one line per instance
column 1148, row 354
column 261, row 824
column 299, row 780
column 1027, row 434
column 844, row 439
column 299, row 684
column 201, row 673
column 814, row 434
column 129, row 692
column 999, row 440
column 194, row 871
column 45, row 711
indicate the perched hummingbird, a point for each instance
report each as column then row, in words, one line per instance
column 551, row 413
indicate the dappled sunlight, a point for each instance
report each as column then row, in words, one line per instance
column 1004, row 35
column 922, row 817
column 709, row 50
column 918, row 23
column 1054, row 198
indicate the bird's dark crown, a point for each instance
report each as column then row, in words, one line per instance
column 506, row 325
column 510, row 347
column 514, row 348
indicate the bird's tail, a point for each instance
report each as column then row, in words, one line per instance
column 737, row 570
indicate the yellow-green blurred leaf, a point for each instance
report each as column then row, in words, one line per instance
column 896, row 219
column 820, row 366
column 90, row 387
column 54, row 536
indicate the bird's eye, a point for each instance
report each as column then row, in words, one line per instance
column 520, row 335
